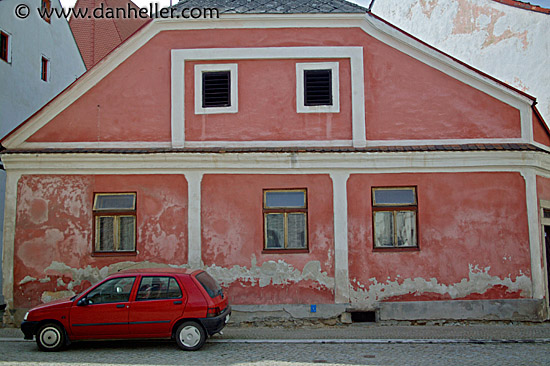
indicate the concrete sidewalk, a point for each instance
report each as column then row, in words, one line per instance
column 372, row 333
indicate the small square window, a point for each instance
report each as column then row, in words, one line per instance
column 4, row 46
column 115, row 222
column 285, row 219
column 44, row 72
column 395, row 217
column 317, row 87
column 216, row 89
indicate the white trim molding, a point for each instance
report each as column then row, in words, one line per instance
column 233, row 93
column 194, row 246
column 355, row 54
column 341, row 250
column 300, row 87
column 537, row 279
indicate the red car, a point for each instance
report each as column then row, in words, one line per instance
column 148, row 303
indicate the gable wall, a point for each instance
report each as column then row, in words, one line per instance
column 404, row 98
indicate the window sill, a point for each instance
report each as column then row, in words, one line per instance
column 114, row 254
column 397, row 249
column 284, row 251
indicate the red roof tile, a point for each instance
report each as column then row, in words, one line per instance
column 97, row 37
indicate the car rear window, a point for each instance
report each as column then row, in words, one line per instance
column 209, row 284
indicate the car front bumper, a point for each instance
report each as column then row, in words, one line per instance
column 28, row 329
column 216, row 324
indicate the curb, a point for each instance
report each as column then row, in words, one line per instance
column 382, row 341
column 356, row 341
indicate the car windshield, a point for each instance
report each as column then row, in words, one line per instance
column 209, row 284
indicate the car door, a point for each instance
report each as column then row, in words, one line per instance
column 159, row 302
column 104, row 310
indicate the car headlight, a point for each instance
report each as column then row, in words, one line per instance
column 26, row 315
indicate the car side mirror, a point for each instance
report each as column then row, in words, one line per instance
column 82, row 302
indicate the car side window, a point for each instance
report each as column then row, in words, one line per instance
column 157, row 288
column 114, row 290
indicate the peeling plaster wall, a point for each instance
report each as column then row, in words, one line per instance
column 53, row 240
column 232, row 241
column 472, row 233
column 506, row 42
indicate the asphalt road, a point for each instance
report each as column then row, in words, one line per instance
column 151, row 353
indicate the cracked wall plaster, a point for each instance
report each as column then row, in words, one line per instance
column 478, row 281
column 503, row 41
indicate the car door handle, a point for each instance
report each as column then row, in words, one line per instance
column 177, row 302
column 121, row 306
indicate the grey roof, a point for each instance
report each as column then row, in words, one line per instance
column 274, row 6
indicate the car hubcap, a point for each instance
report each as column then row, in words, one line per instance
column 190, row 336
column 50, row 337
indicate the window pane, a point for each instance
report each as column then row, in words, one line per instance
column 405, row 222
column 127, row 233
column 105, row 232
column 275, row 230
column 115, row 202
column 174, row 290
column 398, row 196
column 383, row 229
column 115, row 290
column 209, row 284
column 156, row 288
column 285, row 199
column 296, row 230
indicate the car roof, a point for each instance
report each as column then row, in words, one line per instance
column 154, row 271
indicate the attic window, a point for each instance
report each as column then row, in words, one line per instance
column 317, row 87
column 216, row 89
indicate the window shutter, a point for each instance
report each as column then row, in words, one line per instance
column 318, row 87
column 216, row 89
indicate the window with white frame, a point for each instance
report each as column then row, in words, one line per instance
column 395, row 217
column 115, row 222
column 216, row 88
column 317, row 87
column 285, row 219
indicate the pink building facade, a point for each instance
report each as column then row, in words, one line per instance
column 311, row 159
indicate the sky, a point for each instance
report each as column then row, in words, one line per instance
column 164, row 3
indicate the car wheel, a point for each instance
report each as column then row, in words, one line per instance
column 50, row 337
column 190, row 336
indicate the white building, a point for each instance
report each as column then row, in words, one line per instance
column 504, row 38
column 38, row 59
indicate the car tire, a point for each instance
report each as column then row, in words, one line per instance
column 50, row 337
column 190, row 336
